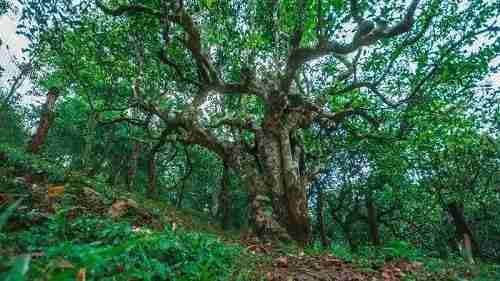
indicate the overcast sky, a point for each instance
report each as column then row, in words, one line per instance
column 10, row 53
column 12, row 45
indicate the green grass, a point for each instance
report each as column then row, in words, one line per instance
column 111, row 250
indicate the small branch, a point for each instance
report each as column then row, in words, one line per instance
column 127, row 10
column 363, row 37
column 355, row 10
column 177, row 69
column 295, row 43
column 122, row 120
column 181, row 18
column 236, row 123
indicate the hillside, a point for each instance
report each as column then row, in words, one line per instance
column 267, row 140
column 80, row 229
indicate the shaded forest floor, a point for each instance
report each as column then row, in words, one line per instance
column 84, row 230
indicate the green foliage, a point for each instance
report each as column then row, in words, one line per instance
column 7, row 213
column 392, row 250
column 12, row 128
column 4, row 7
column 19, row 161
column 457, row 269
column 155, row 107
column 118, row 251
column 16, row 268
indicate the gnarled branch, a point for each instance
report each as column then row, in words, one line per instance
column 299, row 56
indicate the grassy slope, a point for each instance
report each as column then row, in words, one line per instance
column 68, row 236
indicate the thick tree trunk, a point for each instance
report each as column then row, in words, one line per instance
column 46, row 118
column 463, row 230
column 269, row 170
column 372, row 221
column 282, row 180
column 257, row 200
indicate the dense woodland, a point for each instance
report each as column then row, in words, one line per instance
column 251, row 140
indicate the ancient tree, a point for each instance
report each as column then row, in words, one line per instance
column 253, row 81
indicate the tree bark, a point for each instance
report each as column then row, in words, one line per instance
column 224, row 198
column 347, row 229
column 463, row 230
column 180, row 197
column 89, row 138
column 282, row 179
column 132, row 166
column 46, row 119
column 258, row 201
column 275, row 174
column 152, row 174
column 320, row 218
column 372, row 221
column 115, row 170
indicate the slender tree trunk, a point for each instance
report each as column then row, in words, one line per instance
column 137, row 92
column 46, row 119
column 347, row 229
column 346, row 225
column 96, row 168
column 152, row 163
column 115, row 170
column 320, row 219
column 132, row 166
column 89, row 138
column 463, row 230
column 180, row 198
column 224, row 198
column 152, row 174
column 372, row 220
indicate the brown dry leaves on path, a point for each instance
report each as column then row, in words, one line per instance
column 327, row 267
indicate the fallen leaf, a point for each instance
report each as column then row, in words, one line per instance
column 37, row 254
column 386, row 275
column 256, row 248
column 252, row 248
column 89, row 192
column 82, row 274
column 4, row 198
column 65, row 264
column 417, row 265
column 120, row 268
column 118, row 209
column 282, row 261
column 131, row 203
column 55, row 190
